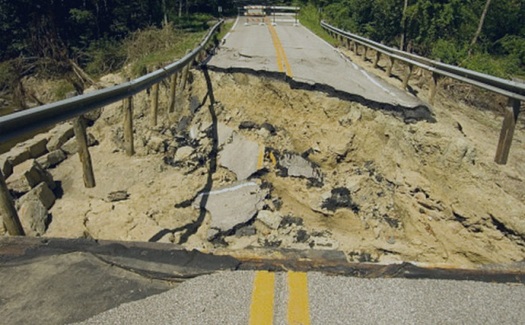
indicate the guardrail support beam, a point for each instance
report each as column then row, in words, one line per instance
column 507, row 131
column 356, row 48
column 154, row 108
column 128, row 126
column 173, row 93
column 407, row 76
column 376, row 59
column 8, row 210
column 390, row 67
column 433, row 88
column 365, row 52
column 79, row 126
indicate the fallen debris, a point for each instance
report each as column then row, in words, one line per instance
column 297, row 166
column 118, row 196
column 243, row 157
column 231, row 206
column 340, row 198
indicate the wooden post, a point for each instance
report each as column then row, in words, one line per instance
column 507, row 131
column 154, row 106
column 8, row 210
column 377, row 58
column 173, row 93
column 83, row 152
column 185, row 72
column 356, row 48
column 348, row 43
column 365, row 53
column 407, row 76
column 390, row 66
column 128, row 126
column 433, row 88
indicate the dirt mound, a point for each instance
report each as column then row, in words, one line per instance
column 372, row 186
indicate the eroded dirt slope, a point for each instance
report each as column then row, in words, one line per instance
column 390, row 191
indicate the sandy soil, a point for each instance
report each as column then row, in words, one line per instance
column 426, row 192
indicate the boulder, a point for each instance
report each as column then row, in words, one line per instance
column 183, row 153
column 5, row 166
column 33, row 217
column 60, row 135
column 36, row 146
column 41, row 193
column 29, row 179
column 52, row 159
column 18, row 155
column 270, row 219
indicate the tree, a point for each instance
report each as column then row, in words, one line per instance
column 480, row 27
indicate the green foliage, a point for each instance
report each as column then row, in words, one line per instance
column 310, row 18
column 7, row 75
column 62, row 89
column 448, row 51
column 503, row 67
column 104, row 56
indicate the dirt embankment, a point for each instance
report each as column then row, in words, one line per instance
column 387, row 191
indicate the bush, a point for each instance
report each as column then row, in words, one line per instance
column 104, row 56
column 448, row 52
column 503, row 67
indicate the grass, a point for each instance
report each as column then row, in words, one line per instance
column 309, row 17
column 226, row 27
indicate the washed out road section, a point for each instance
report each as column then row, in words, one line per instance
column 250, row 46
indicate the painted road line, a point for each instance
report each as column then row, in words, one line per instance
column 298, row 309
column 282, row 59
column 261, row 310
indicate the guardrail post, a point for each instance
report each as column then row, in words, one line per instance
column 407, row 76
column 173, row 93
column 154, row 104
column 377, row 58
column 356, row 48
column 390, row 66
column 433, row 88
column 365, row 53
column 507, row 131
column 128, row 126
column 79, row 127
column 348, row 43
column 185, row 72
column 8, row 210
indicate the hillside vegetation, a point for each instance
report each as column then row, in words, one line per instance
column 483, row 35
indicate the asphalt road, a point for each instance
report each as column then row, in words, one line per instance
column 254, row 44
column 246, row 297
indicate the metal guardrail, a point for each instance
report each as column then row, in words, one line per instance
column 35, row 119
column 19, row 123
column 515, row 91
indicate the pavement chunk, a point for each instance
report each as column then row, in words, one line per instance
column 242, row 156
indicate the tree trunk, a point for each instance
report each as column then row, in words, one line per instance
column 180, row 8
column 480, row 27
column 403, row 26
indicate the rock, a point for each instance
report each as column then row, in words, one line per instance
column 52, row 159
column 31, row 178
column 36, row 146
column 230, row 206
column 33, row 217
column 18, row 155
column 270, row 128
column 297, row 166
column 118, row 196
column 6, row 166
column 243, row 157
column 183, row 153
column 41, row 193
column 248, row 125
column 71, row 146
column 246, row 231
column 270, row 219
column 60, row 135
column 352, row 117
column 157, row 144
column 195, row 104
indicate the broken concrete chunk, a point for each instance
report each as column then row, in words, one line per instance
column 248, row 125
column 59, row 135
column 52, row 159
column 224, row 133
column 33, row 217
column 118, row 196
column 71, row 146
column 297, row 166
column 41, row 193
column 18, row 155
column 36, row 146
column 243, row 157
column 183, row 153
column 157, row 144
column 27, row 180
column 231, row 206
column 270, row 219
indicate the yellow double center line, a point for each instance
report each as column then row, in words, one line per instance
column 262, row 307
column 282, row 60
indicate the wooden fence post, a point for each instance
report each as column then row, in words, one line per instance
column 407, row 76
column 173, row 93
column 356, row 48
column 390, row 66
column 8, row 210
column 433, row 88
column 376, row 60
column 185, row 72
column 154, row 106
column 128, row 126
column 365, row 53
column 507, row 131
column 79, row 126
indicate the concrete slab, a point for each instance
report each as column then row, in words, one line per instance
column 298, row 166
column 231, row 206
column 242, row 156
